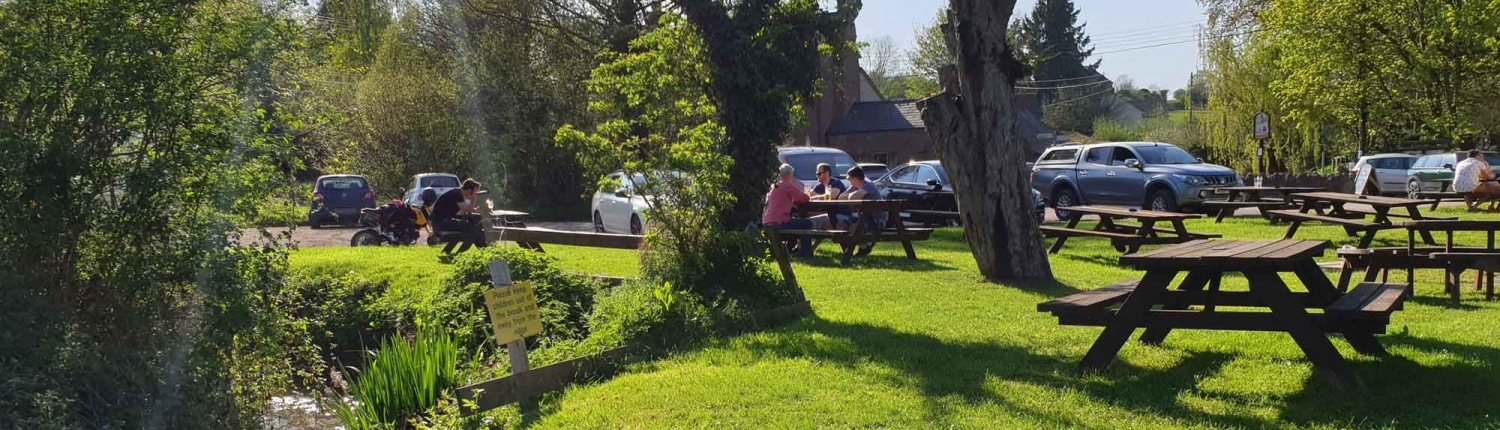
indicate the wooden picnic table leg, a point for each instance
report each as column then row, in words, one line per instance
column 1194, row 281
column 1148, row 229
column 1130, row 315
column 778, row 251
column 1317, row 284
column 894, row 216
column 1416, row 214
column 1291, row 229
column 1455, row 272
column 1268, row 287
column 1057, row 243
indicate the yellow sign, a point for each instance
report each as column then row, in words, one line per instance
column 513, row 312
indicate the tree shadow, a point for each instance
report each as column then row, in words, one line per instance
column 830, row 260
column 1450, row 395
column 1442, row 302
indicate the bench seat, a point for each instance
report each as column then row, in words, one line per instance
column 1092, row 301
column 1257, row 204
column 1054, row 231
column 1399, row 215
column 1347, row 222
column 1369, row 302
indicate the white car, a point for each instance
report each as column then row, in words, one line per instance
column 619, row 208
column 440, row 182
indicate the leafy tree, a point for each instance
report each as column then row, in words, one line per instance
column 763, row 57
column 132, row 132
column 1054, row 42
column 354, row 29
column 880, row 59
column 927, row 57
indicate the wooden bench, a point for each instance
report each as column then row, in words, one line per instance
column 533, row 238
column 1125, row 237
column 1224, row 208
column 1369, row 302
column 1363, row 213
column 1089, row 308
column 866, row 232
column 1438, row 196
column 1352, row 226
column 1455, row 260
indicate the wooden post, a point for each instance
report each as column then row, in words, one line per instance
column 500, row 278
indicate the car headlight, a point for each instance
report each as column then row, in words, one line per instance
column 1188, row 179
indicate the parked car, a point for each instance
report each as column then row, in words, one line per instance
column 1390, row 172
column 1153, row 175
column 338, row 198
column 1434, row 172
column 874, row 171
column 926, row 183
column 805, row 160
column 618, row 207
column 439, row 182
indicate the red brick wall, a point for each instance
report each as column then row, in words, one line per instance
column 895, row 147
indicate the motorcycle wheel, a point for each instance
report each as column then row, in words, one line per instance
column 366, row 237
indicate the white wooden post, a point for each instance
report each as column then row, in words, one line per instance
column 500, row 278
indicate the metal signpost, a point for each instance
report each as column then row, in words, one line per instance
column 1262, row 133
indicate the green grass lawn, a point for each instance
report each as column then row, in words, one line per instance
column 904, row 344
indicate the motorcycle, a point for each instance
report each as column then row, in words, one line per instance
column 391, row 224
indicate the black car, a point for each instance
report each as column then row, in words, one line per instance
column 927, row 183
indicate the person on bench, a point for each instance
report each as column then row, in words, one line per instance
column 829, row 188
column 780, row 200
column 455, row 212
column 1468, row 179
column 860, row 189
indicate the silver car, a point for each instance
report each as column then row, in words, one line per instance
column 440, row 182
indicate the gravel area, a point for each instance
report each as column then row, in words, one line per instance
column 304, row 236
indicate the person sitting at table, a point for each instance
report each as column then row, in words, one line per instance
column 1468, row 178
column 860, row 189
column 829, row 188
column 780, row 200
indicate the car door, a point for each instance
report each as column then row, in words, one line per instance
column 925, row 195
column 901, row 184
column 1093, row 182
column 1392, row 173
column 1128, row 183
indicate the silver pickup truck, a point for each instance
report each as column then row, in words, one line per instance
column 1152, row 175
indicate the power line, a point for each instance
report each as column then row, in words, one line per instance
column 1175, row 42
column 1105, row 81
column 1110, row 90
column 1146, row 29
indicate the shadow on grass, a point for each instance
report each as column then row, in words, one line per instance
column 1443, row 302
column 1400, row 391
column 873, row 261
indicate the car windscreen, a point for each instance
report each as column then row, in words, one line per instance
column 806, row 164
column 342, row 184
column 1165, row 155
column 440, row 182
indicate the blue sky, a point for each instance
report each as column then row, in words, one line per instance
column 1115, row 25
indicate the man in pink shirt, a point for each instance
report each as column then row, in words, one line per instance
column 784, row 194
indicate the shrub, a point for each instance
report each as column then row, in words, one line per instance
column 278, row 213
column 716, row 268
column 403, row 381
column 563, row 300
column 340, row 312
column 649, row 315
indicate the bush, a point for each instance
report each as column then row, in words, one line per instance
column 563, row 300
column 403, row 381
column 340, row 312
column 278, row 213
column 654, row 316
column 717, row 268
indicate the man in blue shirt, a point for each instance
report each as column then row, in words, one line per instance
column 828, row 187
column 860, row 189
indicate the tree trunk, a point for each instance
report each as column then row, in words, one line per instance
column 973, row 124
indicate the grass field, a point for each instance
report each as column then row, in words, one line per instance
column 906, row 344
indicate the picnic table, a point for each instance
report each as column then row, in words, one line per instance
column 1358, row 315
column 865, row 232
column 1126, row 238
column 1251, row 197
column 1352, row 219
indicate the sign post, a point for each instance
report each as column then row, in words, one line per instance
column 1262, row 133
column 513, row 314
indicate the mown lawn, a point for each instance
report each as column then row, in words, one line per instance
column 902, row 344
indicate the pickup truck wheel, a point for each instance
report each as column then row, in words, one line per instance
column 1065, row 197
column 1163, row 200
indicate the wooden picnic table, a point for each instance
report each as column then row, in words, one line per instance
column 1126, row 238
column 865, row 232
column 1359, row 315
column 1252, row 197
column 1484, row 260
column 1352, row 219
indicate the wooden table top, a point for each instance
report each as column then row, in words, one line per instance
column 1132, row 213
column 833, row 204
column 1361, row 199
column 1228, row 254
column 1274, row 188
column 1450, row 225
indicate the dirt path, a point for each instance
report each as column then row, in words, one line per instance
column 339, row 236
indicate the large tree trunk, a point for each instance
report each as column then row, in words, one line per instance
column 973, row 124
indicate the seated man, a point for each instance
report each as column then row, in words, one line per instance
column 828, row 188
column 860, row 189
column 784, row 194
column 1468, row 178
column 455, row 211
